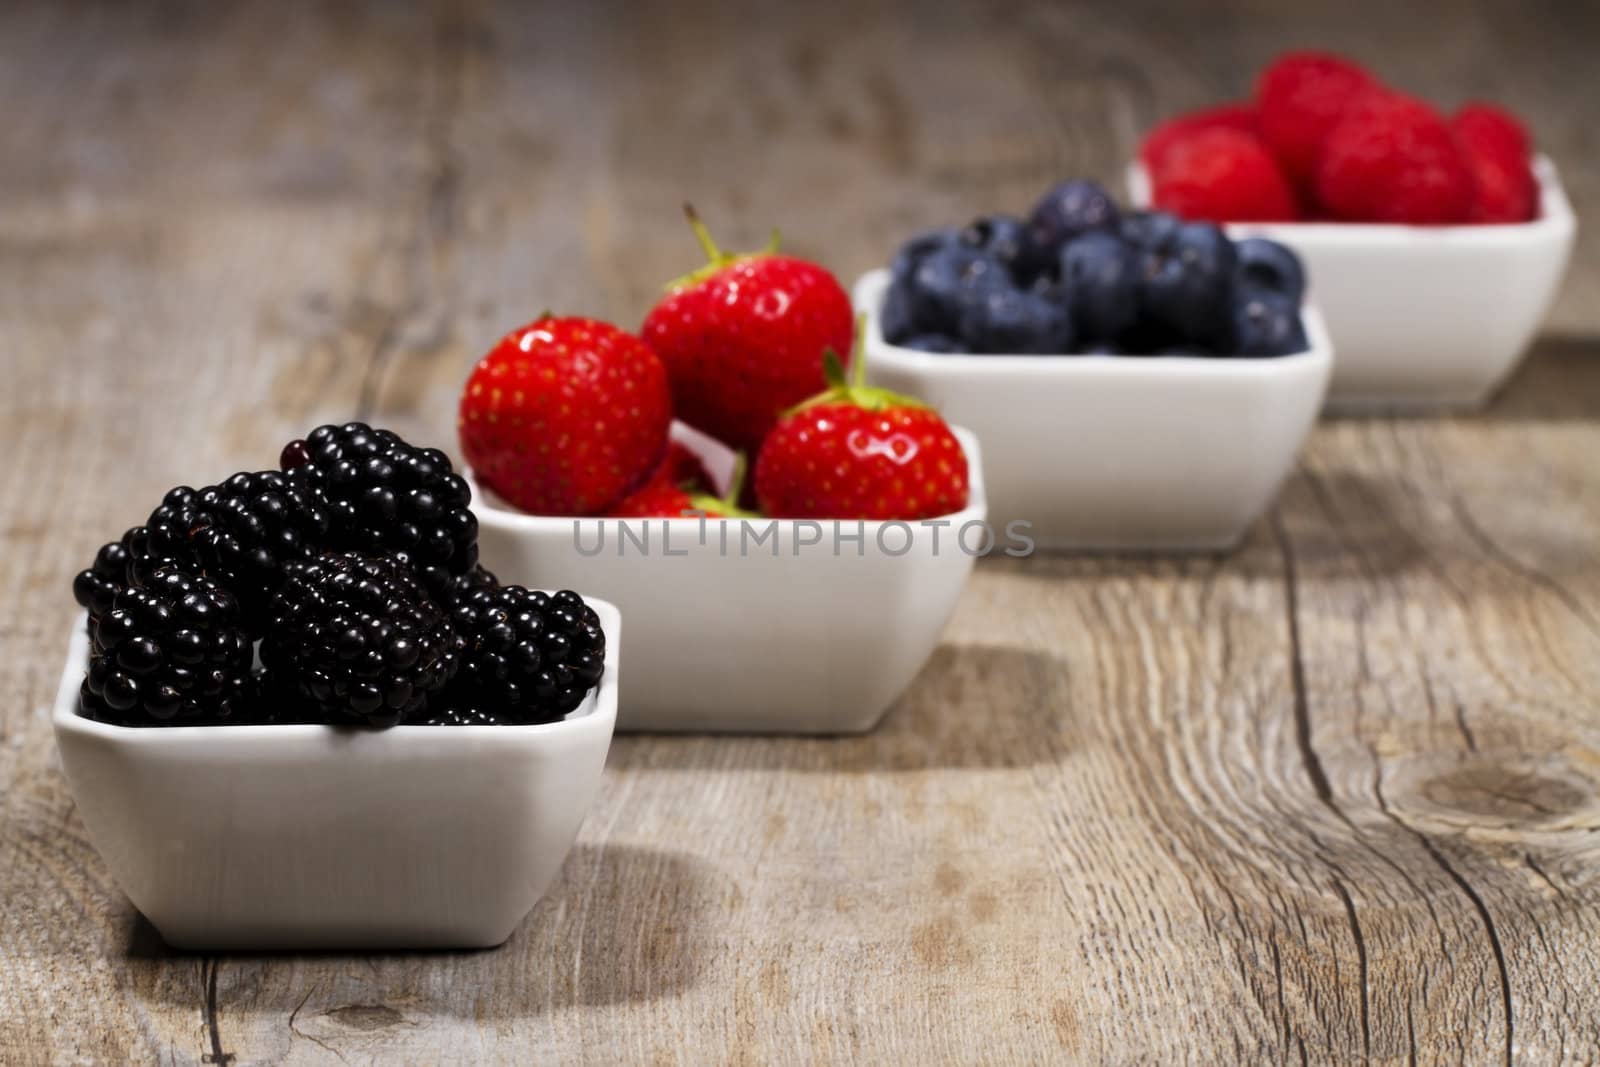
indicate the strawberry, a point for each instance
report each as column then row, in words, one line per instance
column 855, row 452
column 681, row 467
column 565, row 415
column 743, row 337
column 664, row 497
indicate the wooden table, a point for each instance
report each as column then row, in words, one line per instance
column 1332, row 797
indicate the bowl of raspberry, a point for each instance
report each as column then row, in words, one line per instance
column 300, row 713
column 1435, row 242
column 1139, row 383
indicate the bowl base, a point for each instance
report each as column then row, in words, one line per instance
column 1347, row 404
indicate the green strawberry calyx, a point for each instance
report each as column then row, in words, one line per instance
column 727, row 505
column 716, row 258
column 853, row 390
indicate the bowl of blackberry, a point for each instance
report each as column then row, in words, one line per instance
column 302, row 714
column 1138, row 381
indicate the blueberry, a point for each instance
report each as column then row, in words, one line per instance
column 895, row 317
column 1071, row 208
column 933, row 342
column 1099, row 277
column 914, row 251
column 1186, row 283
column 946, row 280
column 1013, row 321
column 1267, row 324
column 1002, row 237
column 1268, row 267
column 1148, row 229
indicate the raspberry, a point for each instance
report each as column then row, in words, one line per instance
column 1222, row 175
column 1302, row 97
column 1496, row 147
column 1241, row 116
column 1392, row 158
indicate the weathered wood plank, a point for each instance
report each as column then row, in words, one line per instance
column 1330, row 798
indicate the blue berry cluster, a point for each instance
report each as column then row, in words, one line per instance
column 1080, row 276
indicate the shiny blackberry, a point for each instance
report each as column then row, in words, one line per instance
column 529, row 656
column 239, row 533
column 94, row 589
column 171, row 652
column 386, row 496
column 359, row 638
column 462, row 712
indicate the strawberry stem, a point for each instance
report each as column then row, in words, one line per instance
column 716, row 258
column 853, row 390
column 702, row 234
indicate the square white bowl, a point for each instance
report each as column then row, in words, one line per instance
column 1165, row 453
column 307, row 836
column 724, row 634
column 1424, row 317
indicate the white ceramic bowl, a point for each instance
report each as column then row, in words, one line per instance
column 1425, row 317
column 1119, row 452
column 784, row 636
column 317, row 837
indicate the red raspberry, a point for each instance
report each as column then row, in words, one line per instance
column 1392, row 158
column 1302, row 96
column 1222, row 175
column 1241, row 116
column 1497, row 150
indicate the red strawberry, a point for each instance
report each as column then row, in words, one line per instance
column 1497, row 149
column 565, row 415
column 743, row 338
column 1392, row 158
column 856, row 452
column 664, row 498
column 1222, row 175
column 1302, row 96
column 1241, row 116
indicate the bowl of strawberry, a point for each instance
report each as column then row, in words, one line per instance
column 1139, row 382
column 1436, row 241
column 785, row 541
column 302, row 714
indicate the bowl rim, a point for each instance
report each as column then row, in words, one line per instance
column 599, row 709
column 1556, row 219
column 868, row 292
column 491, row 510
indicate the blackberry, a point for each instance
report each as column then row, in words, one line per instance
column 169, row 652
column 530, row 656
column 359, row 638
column 461, row 712
column 238, row 533
column 96, row 588
column 386, row 496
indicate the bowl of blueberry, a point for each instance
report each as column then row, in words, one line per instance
column 301, row 714
column 1139, row 382
column 1437, row 241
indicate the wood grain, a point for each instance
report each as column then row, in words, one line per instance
column 1332, row 798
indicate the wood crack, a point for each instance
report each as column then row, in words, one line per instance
column 1297, row 673
column 438, row 214
column 208, row 977
column 1361, row 964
